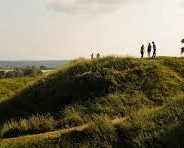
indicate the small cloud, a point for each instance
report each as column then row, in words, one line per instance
column 88, row 6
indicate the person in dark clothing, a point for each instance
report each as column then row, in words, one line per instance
column 154, row 50
column 142, row 51
column 98, row 56
column 92, row 56
column 182, row 50
column 149, row 50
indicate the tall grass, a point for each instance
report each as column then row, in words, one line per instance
column 35, row 124
column 158, row 127
column 101, row 133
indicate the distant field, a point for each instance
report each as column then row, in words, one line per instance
column 48, row 71
column 44, row 71
column 6, row 70
column 49, row 64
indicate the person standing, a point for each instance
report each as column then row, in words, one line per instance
column 149, row 50
column 142, row 51
column 98, row 56
column 154, row 50
column 92, row 56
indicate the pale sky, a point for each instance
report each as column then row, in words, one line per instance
column 67, row 29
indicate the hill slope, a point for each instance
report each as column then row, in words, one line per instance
column 84, row 89
column 156, row 127
column 12, row 86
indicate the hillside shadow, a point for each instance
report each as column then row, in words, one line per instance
column 51, row 94
column 170, row 138
column 174, row 137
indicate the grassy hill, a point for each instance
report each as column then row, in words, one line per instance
column 148, row 94
column 12, row 86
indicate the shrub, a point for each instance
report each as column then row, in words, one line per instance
column 2, row 74
column 10, row 74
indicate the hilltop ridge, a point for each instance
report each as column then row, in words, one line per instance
column 110, row 86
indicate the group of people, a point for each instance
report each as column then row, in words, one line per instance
column 97, row 55
column 149, row 49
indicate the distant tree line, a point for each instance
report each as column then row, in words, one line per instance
column 21, row 72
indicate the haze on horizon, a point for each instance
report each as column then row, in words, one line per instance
column 67, row 29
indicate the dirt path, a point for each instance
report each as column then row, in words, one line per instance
column 49, row 135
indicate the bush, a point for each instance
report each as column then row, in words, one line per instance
column 10, row 74
column 2, row 74
column 21, row 72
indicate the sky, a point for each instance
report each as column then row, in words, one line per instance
column 68, row 29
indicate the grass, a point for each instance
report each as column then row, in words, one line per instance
column 159, row 127
column 96, row 123
column 148, row 93
column 11, row 87
column 36, row 123
column 148, row 127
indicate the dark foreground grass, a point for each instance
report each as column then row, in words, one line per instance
column 148, row 127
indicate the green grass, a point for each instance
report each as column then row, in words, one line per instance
column 24, row 126
column 159, row 127
column 11, row 87
column 148, row 127
column 148, row 92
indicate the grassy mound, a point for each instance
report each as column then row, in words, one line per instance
column 113, row 87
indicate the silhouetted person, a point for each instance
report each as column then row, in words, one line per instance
column 98, row 56
column 154, row 50
column 142, row 51
column 92, row 56
column 182, row 50
column 149, row 50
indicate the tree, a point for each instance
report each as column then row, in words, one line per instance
column 10, row 74
column 18, row 72
column 42, row 67
column 31, row 71
column 2, row 74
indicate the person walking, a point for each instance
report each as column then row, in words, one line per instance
column 154, row 50
column 142, row 51
column 149, row 50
